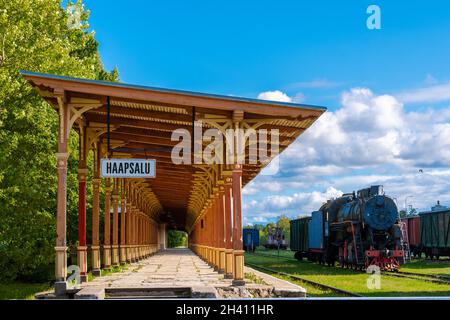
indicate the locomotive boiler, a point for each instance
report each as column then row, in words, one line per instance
column 357, row 230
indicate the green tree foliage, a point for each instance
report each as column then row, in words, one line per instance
column 285, row 225
column 177, row 239
column 283, row 222
column 402, row 213
column 35, row 35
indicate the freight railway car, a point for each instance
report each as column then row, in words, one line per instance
column 299, row 241
column 429, row 232
column 435, row 232
column 411, row 226
column 357, row 230
column 250, row 239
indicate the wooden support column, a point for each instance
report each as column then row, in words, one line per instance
column 145, row 236
column 228, row 212
column 61, row 163
column 133, row 234
column 107, row 226
column 206, row 223
column 238, row 251
column 95, row 246
column 149, row 236
column 82, row 174
column 131, row 244
column 142, row 236
column 221, row 229
column 115, row 229
column 123, row 255
column 139, row 234
column 210, row 233
column 128, row 227
column 216, row 230
column 136, row 236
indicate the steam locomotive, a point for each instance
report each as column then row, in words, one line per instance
column 357, row 230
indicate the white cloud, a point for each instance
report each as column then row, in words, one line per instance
column 292, row 205
column 370, row 140
column 372, row 130
column 276, row 95
column 430, row 94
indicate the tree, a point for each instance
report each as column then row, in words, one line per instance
column 177, row 239
column 402, row 213
column 35, row 35
column 283, row 223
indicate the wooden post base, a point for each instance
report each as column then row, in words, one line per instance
column 238, row 279
column 82, row 262
column 106, row 257
column 229, row 262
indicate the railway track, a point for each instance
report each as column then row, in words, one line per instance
column 313, row 283
column 419, row 276
column 399, row 274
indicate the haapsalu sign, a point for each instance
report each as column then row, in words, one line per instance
column 128, row 168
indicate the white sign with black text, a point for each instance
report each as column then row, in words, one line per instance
column 128, row 168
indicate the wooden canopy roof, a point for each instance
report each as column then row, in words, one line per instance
column 143, row 118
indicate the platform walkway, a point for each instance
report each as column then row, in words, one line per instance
column 168, row 268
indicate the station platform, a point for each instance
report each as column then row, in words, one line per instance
column 167, row 268
column 178, row 273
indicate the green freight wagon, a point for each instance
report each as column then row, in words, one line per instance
column 299, row 237
column 435, row 232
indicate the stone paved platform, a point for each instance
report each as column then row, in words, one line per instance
column 179, row 273
column 168, row 268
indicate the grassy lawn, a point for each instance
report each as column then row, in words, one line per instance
column 433, row 267
column 22, row 290
column 283, row 253
column 19, row 290
column 350, row 280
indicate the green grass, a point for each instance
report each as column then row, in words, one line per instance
column 254, row 278
column 282, row 253
column 349, row 280
column 105, row 272
column 20, row 290
column 428, row 267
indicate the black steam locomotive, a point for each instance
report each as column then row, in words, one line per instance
column 357, row 230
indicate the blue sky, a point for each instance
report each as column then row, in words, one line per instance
column 311, row 52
